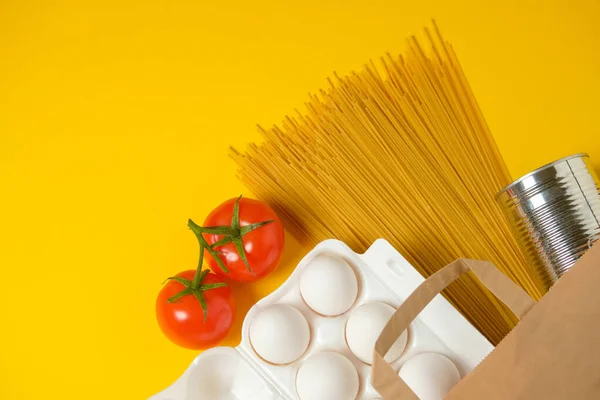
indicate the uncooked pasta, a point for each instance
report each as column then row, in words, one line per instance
column 400, row 152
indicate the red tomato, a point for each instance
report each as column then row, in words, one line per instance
column 263, row 246
column 183, row 320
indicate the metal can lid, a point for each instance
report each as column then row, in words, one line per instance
column 560, row 160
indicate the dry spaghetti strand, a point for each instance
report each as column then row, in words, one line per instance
column 402, row 152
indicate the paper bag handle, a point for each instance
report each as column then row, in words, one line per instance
column 383, row 378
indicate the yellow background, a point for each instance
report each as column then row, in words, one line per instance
column 116, row 117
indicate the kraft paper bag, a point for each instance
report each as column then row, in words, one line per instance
column 552, row 354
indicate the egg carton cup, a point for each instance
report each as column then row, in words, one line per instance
column 383, row 275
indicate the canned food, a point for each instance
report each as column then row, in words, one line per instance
column 554, row 212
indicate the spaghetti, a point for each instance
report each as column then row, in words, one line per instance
column 401, row 152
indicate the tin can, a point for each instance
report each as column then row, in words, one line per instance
column 554, row 212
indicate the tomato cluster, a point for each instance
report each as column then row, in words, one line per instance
column 243, row 240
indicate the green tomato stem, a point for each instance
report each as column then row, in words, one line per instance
column 204, row 245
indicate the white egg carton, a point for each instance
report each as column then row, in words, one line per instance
column 225, row 373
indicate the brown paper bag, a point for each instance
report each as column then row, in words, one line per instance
column 552, row 354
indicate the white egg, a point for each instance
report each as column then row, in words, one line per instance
column 329, row 285
column 364, row 327
column 328, row 376
column 279, row 334
column 430, row 375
